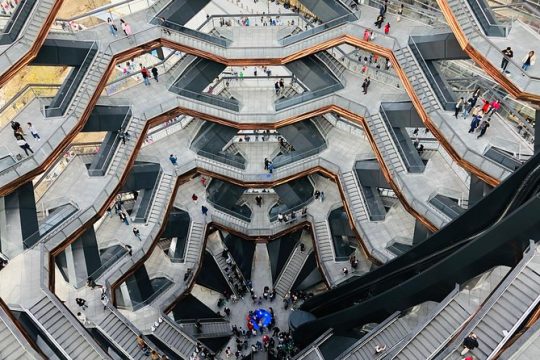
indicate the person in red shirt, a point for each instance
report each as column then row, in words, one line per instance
column 485, row 107
column 387, row 28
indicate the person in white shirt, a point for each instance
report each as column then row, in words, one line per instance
column 33, row 131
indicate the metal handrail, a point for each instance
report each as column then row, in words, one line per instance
column 94, row 46
column 412, row 42
column 13, row 21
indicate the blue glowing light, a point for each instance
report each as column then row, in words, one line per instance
column 262, row 316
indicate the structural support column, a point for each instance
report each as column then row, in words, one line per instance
column 478, row 189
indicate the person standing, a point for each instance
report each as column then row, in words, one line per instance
column 483, row 128
column 33, row 131
column 145, row 75
column 126, row 27
column 459, row 107
column 173, row 159
column 508, row 54
column 266, row 162
column 387, row 28
column 379, row 21
column 270, row 167
column 400, row 13
column 204, row 210
column 24, row 145
column 155, row 73
column 494, row 107
column 112, row 27
column 364, row 86
column 528, row 61
column 475, row 122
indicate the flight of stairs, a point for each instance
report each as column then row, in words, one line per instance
column 88, row 85
column 356, row 200
column 324, row 241
column 161, row 198
column 416, row 77
column 66, row 332
column 11, row 343
column 385, row 144
column 210, row 329
column 195, row 243
column 122, row 335
column 124, row 152
column 222, row 264
column 429, row 337
column 170, row 334
column 290, row 271
column 389, row 333
column 503, row 312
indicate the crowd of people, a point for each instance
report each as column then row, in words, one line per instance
column 481, row 113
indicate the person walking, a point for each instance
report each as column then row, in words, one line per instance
column 112, row 27
column 270, row 167
column 483, row 128
column 24, row 145
column 475, row 122
column 387, row 28
column 508, row 54
column 33, row 131
column 459, row 107
column 145, row 75
column 469, row 343
column 173, row 159
column 266, row 162
column 204, row 210
column 126, row 27
column 379, row 21
column 137, row 233
column 155, row 74
column 276, row 87
column 364, row 86
column 400, row 13
column 528, row 61
column 194, row 197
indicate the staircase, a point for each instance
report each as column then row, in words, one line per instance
column 416, row 77
column 34, row 23
column 323, row 125
column 429, row 337
column 161, row 198
column 121, row 334
column 124, row 152
column 290, row 272
column 335, row 66
column 355, row 198
column 13, row 345
column 504, row 311
column 209, row 329
column 464, row 17
column 324, row 241
column 170, row 334
column 233, row 282
column 180, row 67
column 385, row 144
column 388, row 333
column 195, row 243
column 64, row 330
column 87, row 85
